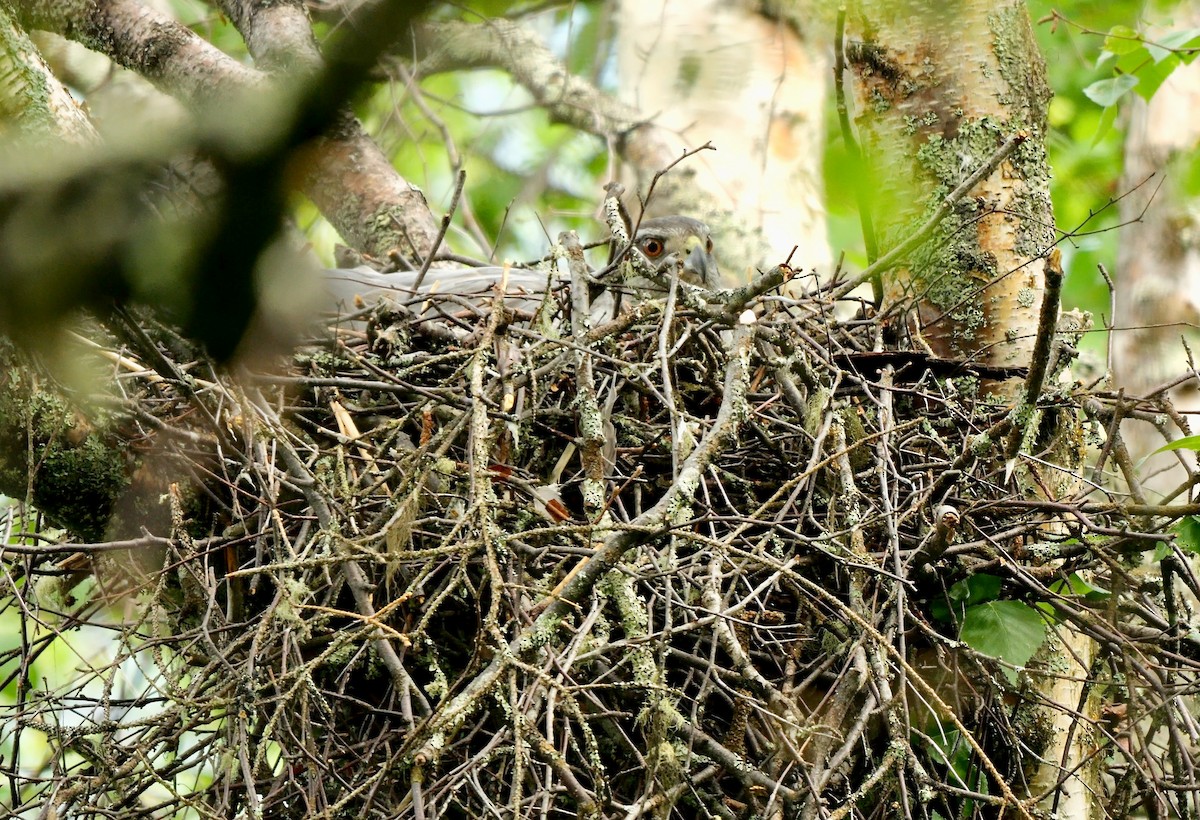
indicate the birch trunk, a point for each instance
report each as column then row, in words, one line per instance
column 752, row 85
column 937, row 91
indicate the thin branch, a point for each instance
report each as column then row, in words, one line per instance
column 898, row 253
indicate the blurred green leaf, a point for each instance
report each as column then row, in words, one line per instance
column 1138, row 64
column 1152, row 76
column 1085, row 143
column 10, row 644
column 1183, row 43
column 1105, row 124
column 1185, row 443
column 1109, row 92
column 1188, row 173
column 1133, row 62
column 1122, row 40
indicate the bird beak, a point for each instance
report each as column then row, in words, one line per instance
column 701, row 266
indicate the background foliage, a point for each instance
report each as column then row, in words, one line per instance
column 528, row 179
column 520, row 166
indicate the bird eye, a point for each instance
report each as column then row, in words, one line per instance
column 653, row 248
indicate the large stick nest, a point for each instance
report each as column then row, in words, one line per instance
column 706, row 559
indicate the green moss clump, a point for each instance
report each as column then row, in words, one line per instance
column 72, row 471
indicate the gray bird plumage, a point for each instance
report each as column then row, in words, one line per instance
column 671, row 244
column 680, row 241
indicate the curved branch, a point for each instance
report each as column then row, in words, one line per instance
column 31, row 97
column 449, row 45
column 345, row 174
column 453, row 45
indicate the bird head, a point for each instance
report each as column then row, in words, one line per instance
column 670, row 241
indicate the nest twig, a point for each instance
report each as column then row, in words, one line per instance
column 699, row 560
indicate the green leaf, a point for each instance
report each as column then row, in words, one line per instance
column 1187, row 534
column 947, row 748
column 1109, row 92
column 1105, row 125
column 1122, row 40
column 939, row 609
column 981, row 588
column 1007, row 630
column 1134, row 62
column 1161, row 551
column 1183, row 43
column 967, row 592
column 1185, row 443
column 1190, row 54
column 1152, row 76
column 1074, row 585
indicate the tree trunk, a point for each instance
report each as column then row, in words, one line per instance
column 755, row 87
column 31, row 97
column 938, row 92
column 942, row 92
column 1158, row 267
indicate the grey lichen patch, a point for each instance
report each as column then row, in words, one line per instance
column 382, row 234
column 1043, row 551
column 383, row 223
column 542, row 635
column 28, row 98
column 949, row 161
column 1021, row 65
column 80, row 484
column 1034, row 724
column 155, row 55
column 1074, row 324
column 926, row 121
column 1022, row 415
column 951, row 265
column 982, row 445
column 1035, row 232
column 618, row 587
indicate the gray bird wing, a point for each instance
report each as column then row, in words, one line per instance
column 348, row 290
